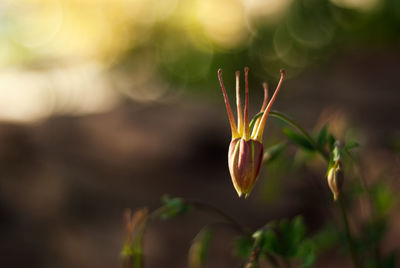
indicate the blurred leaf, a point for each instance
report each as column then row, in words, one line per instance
column 290, row 234
column 286, row 239
column 298, row 229
column 199, row 249
column 298, row 139
column 282, row 239
column 383, row 198
column 173, row 207
column 350, row 145
column 307, row 253
column 269, row 242
column 372, row 234
column 243, row 246
column 253, row 121
column 273, row 152
column 322, row 138
column 331, row 141
column 326, row 238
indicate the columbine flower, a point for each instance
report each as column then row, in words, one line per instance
column 246, row 150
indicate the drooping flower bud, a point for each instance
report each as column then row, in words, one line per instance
column 246, row 150
column 244, row 160
column 335, row 179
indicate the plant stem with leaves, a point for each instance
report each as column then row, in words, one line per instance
column 325, row 155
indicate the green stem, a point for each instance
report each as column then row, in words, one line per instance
column 204, row 206
column 296, row 126
column 372, row 215
column 253, row 261
column 350, row 240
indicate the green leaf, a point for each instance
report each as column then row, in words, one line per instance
column 287, row 240
column 331, row 141
column 173, row 207
column 243, row 246
column 307, row 253
column 199, row 249
column 322, row 138
column 253, row 121
column 383, row 198
column 268, row 241
column 290, row 234
column 273, row 152
column 350, row 145
column 299, row 229
column 326, row 238
column 298, row 139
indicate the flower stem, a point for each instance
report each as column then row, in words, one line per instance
column 253, row 261
column 207, row 207
column 350, row 240
column 296, row 126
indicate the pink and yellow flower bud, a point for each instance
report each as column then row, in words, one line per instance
column 246, row 149
column 244, row 160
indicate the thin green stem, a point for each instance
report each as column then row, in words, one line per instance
column 207, row 207
column 366, row 189
column 253, row 261
column 349, row 237
column 299, row 128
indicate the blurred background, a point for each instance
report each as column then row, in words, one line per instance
column 107, row 105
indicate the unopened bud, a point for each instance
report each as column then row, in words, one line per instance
column 244, row 160
column 335, row 179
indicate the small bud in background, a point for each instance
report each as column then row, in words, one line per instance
column 132, row 252
column 335, row 179
column 245, row 154
column 334, row 174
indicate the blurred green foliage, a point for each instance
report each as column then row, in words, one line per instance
column 279, row 239
column 199, row 248
column 306, row 33
column 172, row 208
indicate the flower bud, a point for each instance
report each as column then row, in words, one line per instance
column 244, row 161
column 245, row 153
column 335, row 179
